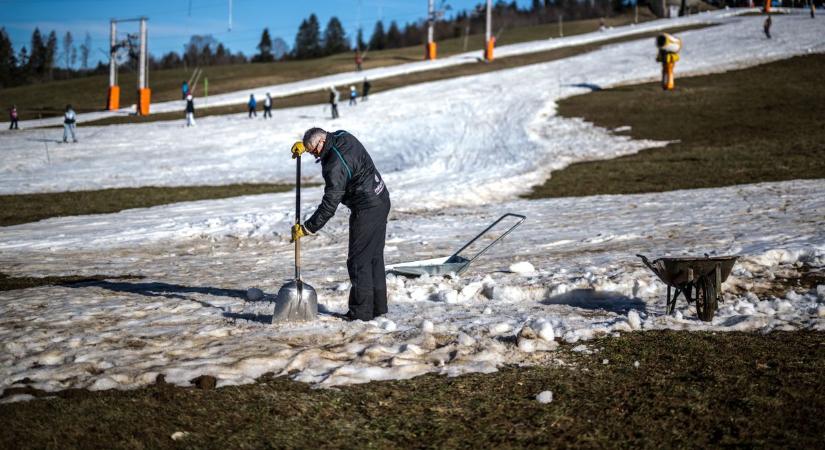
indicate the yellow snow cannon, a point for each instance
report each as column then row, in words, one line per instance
column 669, row 47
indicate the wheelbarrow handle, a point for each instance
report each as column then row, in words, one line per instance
column 509, row 230
column 647, row 263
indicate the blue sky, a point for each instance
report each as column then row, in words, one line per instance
column 171, row 22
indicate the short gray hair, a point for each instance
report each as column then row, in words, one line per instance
column 312, row 136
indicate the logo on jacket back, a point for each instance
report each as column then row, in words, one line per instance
column 380, row 187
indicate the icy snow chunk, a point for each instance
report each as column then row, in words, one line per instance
column 522, row 268
column 427, row 326
column 471, row 290
column 605, row 361
column 386, row 324
column 527, row 345
column 488, row 287
column 545, row 397
column 544, row 329
column 820, row 310
column 500, row 328
column 581, row 348
column 341, row 287
column 448, row 296
column 179, row 435
column 512, row 294
column 50, row 358
column 636, row 364
column 634, row 320
column 487, row 311
column 465, row 340
column 102, row 384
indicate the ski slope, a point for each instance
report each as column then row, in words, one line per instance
column 455, row 155
column 348, row 78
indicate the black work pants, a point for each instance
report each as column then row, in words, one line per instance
column 365, row 261
column 267, row 112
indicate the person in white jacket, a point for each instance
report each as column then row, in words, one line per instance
column 268, row 106
column 334, row 96
column 190, row 110
column 69, row 120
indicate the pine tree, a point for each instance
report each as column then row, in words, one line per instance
column 51, row 53
column 37, row 55
column 378, row 40
column 359, row 41
column 308, row 39
column 335, row 39
column 68, row 45
column 412, row 34
column 23, row 61
column 8, row 62
column 264, row 48
column 85, row 49
column 394, row 38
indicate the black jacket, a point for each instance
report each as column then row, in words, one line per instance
column 190, row 106
column 350, row 177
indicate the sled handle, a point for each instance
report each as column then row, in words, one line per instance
column 509, row 230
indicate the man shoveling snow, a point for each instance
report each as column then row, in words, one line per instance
column 351, row 178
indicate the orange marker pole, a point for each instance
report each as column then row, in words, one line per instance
column 488, row 50
column 430, row 51
column 113, row 99
column 144, row 96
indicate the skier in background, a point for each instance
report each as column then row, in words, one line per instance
column 69, row 120
column 353, row 94
column 813, row 10
column 365, row 89
column 184, row 89
column 334, row 96
column 268, row 106
column 767, row 26
column 358, row 59
column 252, row 104
column 13, row 118
column 190, row 111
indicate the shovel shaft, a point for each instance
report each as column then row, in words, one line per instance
column 298, row 217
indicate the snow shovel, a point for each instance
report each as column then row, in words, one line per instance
column 296, row 301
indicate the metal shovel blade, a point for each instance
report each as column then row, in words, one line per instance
column 296, row 302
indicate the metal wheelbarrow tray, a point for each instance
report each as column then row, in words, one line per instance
column 687, row 274
column 455, row 264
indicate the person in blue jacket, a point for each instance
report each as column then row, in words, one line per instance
column 252, row 104
column 184, row 89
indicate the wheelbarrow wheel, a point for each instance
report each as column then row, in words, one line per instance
column 706, row 301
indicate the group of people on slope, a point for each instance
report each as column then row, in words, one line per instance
column 69, row 122
column 335, row 96
column 252, row 105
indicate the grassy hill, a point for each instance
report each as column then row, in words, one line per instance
column 89, row 94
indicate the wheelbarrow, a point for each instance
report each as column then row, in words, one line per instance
column 698, row 279
column 455, row 264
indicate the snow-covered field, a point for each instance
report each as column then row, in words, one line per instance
column 455, row 155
